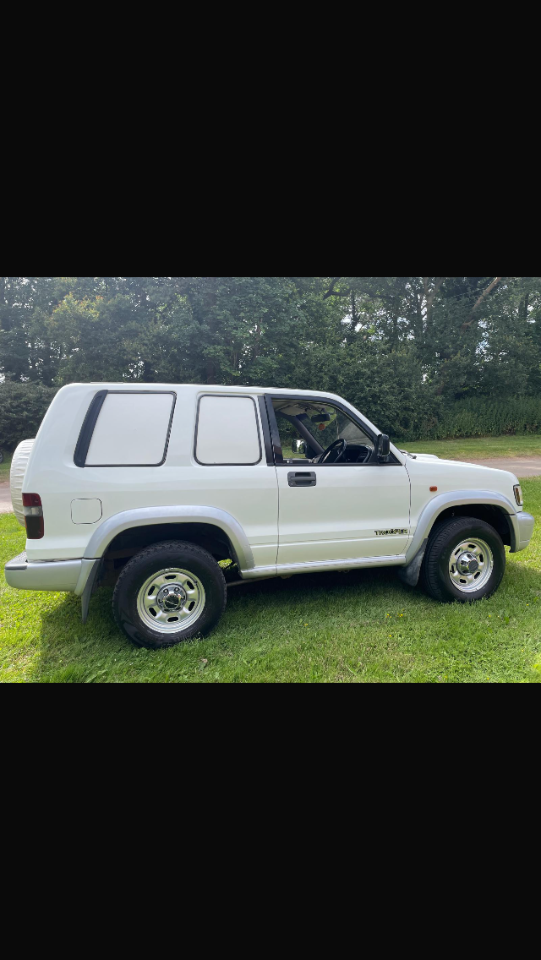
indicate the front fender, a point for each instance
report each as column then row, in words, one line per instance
column 462, row 498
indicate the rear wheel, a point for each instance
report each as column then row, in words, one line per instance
column 169, row 593
column 464, row 561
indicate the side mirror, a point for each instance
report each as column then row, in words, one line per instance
column 384, row 447
column 300, row 447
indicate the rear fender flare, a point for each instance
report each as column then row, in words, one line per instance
column 149, row 516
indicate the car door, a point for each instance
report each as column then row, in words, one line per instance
column 232, row 471
column 343, row 509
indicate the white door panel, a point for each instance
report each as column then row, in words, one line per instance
column 340, row 517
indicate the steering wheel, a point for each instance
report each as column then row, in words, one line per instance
column 325, row 456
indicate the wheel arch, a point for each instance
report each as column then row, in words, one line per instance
column 214, row 529
column 491, row 514
column 492, row 507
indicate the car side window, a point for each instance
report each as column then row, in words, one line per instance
column 320, row 433
column 132, row 429
column 295, row 445
column 227, row 432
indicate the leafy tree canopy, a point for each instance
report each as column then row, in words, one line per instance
column 404, row 349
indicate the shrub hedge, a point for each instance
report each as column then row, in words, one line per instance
column 23, row 406
column 482, row 417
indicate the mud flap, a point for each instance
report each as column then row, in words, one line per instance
column 412, row 572
column 91, row 585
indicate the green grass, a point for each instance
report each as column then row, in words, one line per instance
column 478, row 448
column 4, row 467
column 472, row 448
column 362, row 627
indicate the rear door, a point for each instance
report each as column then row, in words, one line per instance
column 349, row 507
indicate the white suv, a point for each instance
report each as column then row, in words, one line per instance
column 155, row 485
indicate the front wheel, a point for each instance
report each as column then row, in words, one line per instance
column 168, row 593
column 464, row 561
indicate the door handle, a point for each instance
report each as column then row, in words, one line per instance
column 302, row 479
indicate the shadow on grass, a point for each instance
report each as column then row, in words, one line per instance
column 98, row 651
column 308, row 582
column 257, row 612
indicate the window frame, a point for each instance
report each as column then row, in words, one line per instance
column 91, row 419
column 238, row 396
column 279, row 460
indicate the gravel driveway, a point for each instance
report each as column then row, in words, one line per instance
column 522, row 467
column 5, row 498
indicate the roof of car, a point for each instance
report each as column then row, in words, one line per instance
column 208, row 388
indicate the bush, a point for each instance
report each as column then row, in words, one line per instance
column 482, row 417
column 22, row 408
column 406, row 415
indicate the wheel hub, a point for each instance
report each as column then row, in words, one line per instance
column 467, row 563
column 471, row 565
column 171, row 598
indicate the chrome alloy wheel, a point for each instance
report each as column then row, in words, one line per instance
column 471, row 565
column 171, row 600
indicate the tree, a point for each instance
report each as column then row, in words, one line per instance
column 405, row 349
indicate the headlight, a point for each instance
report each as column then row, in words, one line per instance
column 518, row 495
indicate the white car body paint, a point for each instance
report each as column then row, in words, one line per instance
column 355, row 515
column 448, row 475
column 249, row 493
column 339, row 518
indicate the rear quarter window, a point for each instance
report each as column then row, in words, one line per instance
column 132, row 429
column 227, row 432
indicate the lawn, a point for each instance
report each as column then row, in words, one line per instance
column 362, row 627
column 478, row 448
column 4, row 467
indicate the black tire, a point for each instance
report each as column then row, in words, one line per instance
column 155, row 560
column 446, row 537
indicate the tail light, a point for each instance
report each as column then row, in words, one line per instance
column 33, row 516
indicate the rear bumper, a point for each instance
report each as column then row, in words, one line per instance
column 523, row 531
column 64, row 576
